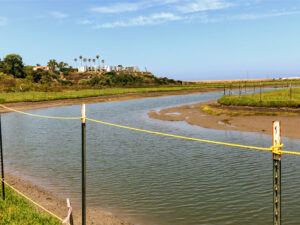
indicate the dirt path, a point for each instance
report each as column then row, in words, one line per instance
column 252, row 122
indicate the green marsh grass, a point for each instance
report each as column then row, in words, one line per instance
column 276, row 98
column 16, row 210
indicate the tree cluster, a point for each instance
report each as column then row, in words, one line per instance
column 13, row 65
column 16, row 76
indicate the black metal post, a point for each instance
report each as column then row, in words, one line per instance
column 277, row 189
column 276, row 173
column 2, row 164
column 83, row 165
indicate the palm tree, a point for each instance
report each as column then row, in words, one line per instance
column 103, row 62
column 52, row 64
column 84, row 61
column 80, row 57
column 98, row 58
column 61, row 66
column 89, row 64
column 75, row 60
column 94, row 61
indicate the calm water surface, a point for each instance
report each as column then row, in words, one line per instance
column 151, row 179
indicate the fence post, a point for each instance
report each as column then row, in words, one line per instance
column 260, row 92
column 71, row 212
column 290, row 91
column 276, row 173
column 83, row 164
column 2, row 164
column 224, row 90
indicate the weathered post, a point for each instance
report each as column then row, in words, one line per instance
column 260, row 92
column 83, row 164
column 276, row 173
column 69, row 219
column 290, row 93
column 2, row 164
column 224, row 90
column 71, row 212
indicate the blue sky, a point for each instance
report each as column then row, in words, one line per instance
column 182, row 39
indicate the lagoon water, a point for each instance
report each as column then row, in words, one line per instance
column 149, row 179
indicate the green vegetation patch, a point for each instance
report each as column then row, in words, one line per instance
column 217, row 110
column 34, row 96
column 276, row 99
column 17, row 210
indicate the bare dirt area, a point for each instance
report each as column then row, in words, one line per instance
column 233, row 118
column 59, row 206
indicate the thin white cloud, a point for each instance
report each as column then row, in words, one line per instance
column 85, row 22
column 3, row 21
column 203, row 5
column 58, row 15
column 153, row 19
column 122, row 7
column 241, row 17
column 117, row 8
column 263, row 15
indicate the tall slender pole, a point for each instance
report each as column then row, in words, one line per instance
column 2, row 164
column 260, row 92
column 83, row 163
column 276, row 173
column 290, row 93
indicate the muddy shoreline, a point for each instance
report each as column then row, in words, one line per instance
column 58, row 206
column 251, row 120
column 90, row 100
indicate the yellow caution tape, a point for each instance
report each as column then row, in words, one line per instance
column 193, row 139
column 41, row 116
column 37, row 204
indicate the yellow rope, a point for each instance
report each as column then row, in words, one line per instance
column 41, row 116
column 37, row 204
column 194, row 139
column 182, row 137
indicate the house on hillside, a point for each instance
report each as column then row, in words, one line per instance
column 46, row 68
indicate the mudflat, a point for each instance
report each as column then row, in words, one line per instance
column 218, row 117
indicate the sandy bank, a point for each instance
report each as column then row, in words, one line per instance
column 58, row 206
column 233, row 118
column 108, row 98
